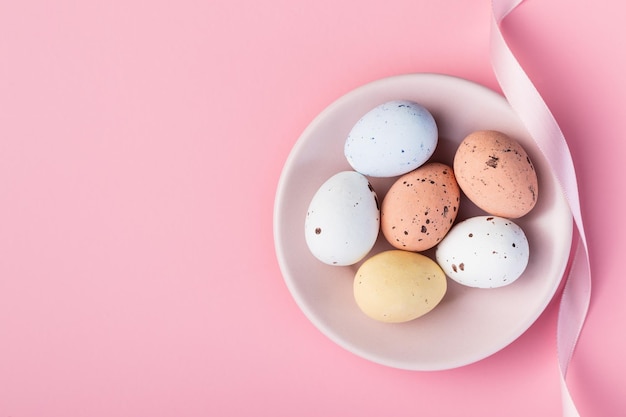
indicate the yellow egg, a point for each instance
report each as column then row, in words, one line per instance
column 396, row 286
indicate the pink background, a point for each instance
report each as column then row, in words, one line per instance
column 141, row 144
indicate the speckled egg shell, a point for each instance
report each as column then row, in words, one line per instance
column 420, row 207
column 484, row 252
column 397, row 286
column 392, row 139
column 496, row 174
column 343, row 219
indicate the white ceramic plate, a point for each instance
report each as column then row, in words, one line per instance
column 469, row 324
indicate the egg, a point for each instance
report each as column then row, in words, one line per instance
column 392, row 139
column 496, row 174
column 396, row 286
column 484, row 252
column 420, row 207
column 343, row 219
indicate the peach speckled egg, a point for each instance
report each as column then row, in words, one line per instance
column 420, row 207
column 496, row 174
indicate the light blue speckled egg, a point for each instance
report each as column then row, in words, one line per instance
column 392, row 139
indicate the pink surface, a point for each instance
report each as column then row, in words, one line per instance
column 140, row 149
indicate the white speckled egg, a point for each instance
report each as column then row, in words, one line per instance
column 484, row 252
column 392, row 139
column 343, row 219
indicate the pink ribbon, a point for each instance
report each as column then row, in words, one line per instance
column 538, row 120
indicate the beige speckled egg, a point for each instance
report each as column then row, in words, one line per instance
column 420, row 207
column 397, row 286
column 496, row 174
